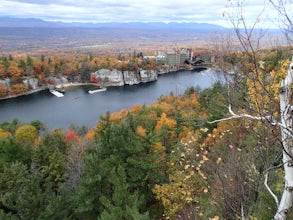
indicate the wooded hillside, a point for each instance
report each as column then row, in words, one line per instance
column 162, row 161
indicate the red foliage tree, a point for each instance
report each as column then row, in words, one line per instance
column 94, row 79
column 71, row 136
column 37, row 69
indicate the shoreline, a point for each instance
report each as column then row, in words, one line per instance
column 26, row 93
column 43, row 88
column 68, row 85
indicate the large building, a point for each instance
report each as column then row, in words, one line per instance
column 179, row 58
column 173, row 58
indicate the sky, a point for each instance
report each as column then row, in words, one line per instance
column 97, row 11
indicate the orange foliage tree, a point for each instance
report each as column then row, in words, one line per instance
column 3, row 90
column 71, row 137
column 18, row 88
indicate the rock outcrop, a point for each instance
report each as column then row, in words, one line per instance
column 148, row 75
column 115, row 77
column 32, row 83
column 108, row 77
column 131, row 77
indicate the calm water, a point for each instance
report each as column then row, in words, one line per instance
column 80, row 108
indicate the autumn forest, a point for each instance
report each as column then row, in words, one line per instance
column 73, row 67
column 168, row 160
column 222, row 152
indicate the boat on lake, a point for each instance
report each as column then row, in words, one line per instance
column 97, row 90
column 56, row 93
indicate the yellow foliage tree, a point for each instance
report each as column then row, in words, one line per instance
column 27, row 135
column 178, row 193
column 90, row 135
column 117, row 116
column 277, row 77
column 13, row 71
column 186, row 182
column 263, row 89
column 4, row 134
column 165, row 121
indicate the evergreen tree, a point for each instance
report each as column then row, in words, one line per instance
column 122, row 204
column 85, row 72
column 10, row 151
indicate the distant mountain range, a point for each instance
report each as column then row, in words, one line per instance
column 30, row 34
column 33, row 22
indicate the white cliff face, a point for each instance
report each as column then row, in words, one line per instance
column 163, row 70
column 148, row 75
column 118, row 78
column 131, row 77
column 32, row 83
column 110, row 77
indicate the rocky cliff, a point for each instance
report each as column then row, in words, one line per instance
column 116, row 77
column 131, row 77
column 148, row 75
column 108, row 77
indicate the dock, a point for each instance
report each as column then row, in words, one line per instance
column 97, row 90
column 56, row 93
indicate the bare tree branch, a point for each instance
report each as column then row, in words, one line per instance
column 284, row 10
column 269, row 189
column 268, row 118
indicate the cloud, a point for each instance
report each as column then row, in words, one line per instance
column 208, row 11
column 43, row 2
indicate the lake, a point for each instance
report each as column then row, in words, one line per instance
column 81, row 108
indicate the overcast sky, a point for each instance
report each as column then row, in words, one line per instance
column 201, row 11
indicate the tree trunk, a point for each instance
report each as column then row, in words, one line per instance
column 286, row 131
